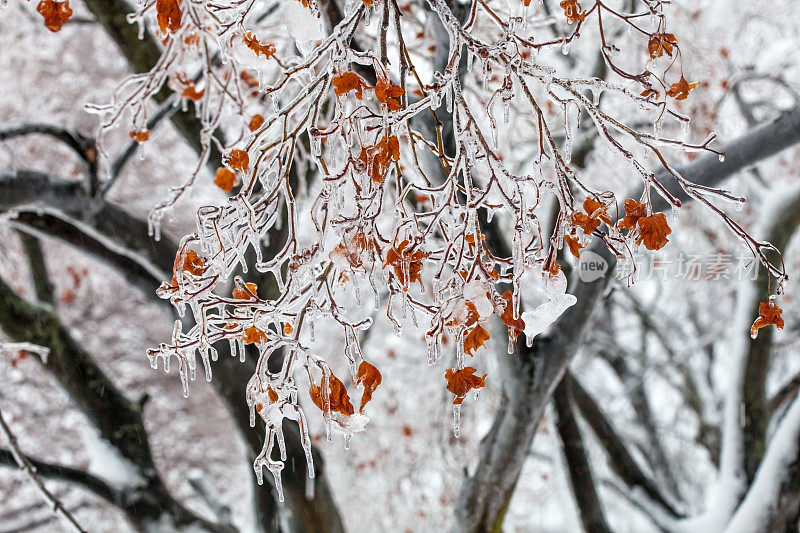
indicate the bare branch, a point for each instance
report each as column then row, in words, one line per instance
column 26, row 466
column 620, row 459
column 582, row 482
column 76, row 476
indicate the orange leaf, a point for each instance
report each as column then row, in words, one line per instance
column 340, row 401
column 768, row 313
column 680, row 89
column 253, row 335
column 169, row 15
column 255, row 122
column 400, row 258
column 349, row 81
column 653, row 231
column 287, row 328
column 371, row 378
column 140, row 136
column 475, row 339
column 379, row 158
column 585, row 222
column 596, row 214
column 55, row 14
column 353, row 249
column 192, row 93
column 596, row 209
column 572, row 10
column 574, row 245
column 633, row 212
column 660, row 44
column 515, row 325
column 241, row 294
column 239, row 160
column 389, row 94
column 226, row 179
column 267, row 50
column 191, row 263
column 460, row 382
column 273, row 396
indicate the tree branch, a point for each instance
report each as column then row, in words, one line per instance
column 582, row 482
column 76, row 476
column 26, row 466
column 620, row 459
column 80, row 144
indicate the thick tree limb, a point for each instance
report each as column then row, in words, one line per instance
column 41, row 279
column 582, row 481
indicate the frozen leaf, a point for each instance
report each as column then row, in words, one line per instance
column 273, row 396
column 475, row 339
column 226, row 179
column 574, row 245
column 340, row 401
column 388, row 94
column 680, row 89
column 239, row 160
column 379, row 157
column 192, row 93
column 572, row 10
column 55, row 14
column 140, row 136
column 370, row 377
column 596, row 214
column 660, row 44
column 255, row 122
column 515, row 325
column 460, row 382
column 768, row 314
column 253, row 335
column 241, row 294
column 190, row 262
column 633, row 212
column 169, row 15
column 267, row 50
column 349, row 81
column 653, row 231
column 402, row 261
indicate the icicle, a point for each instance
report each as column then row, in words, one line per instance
column 456, row 420
column 184, row 380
